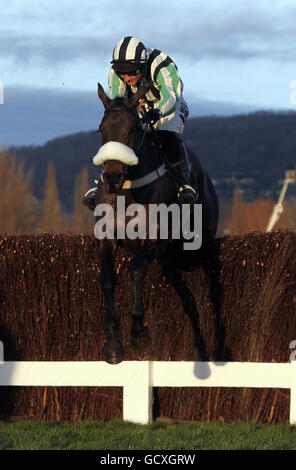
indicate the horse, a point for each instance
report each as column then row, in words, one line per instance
column 133, row 168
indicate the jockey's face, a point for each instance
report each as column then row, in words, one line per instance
column 131, row 79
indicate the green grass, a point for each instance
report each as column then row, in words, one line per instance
column 117, row 435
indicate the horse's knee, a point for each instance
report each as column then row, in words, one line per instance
column 138, row 268
column 137, row 275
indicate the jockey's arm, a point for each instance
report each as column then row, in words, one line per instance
column 170, row 87
column 117, row 87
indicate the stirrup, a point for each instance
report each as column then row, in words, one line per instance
column 187, row 194
column 89, row 199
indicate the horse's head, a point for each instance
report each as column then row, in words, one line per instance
column 119, row 127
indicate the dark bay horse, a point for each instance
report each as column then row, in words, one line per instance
column 134, row 170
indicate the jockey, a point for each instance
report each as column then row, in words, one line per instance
column 166, row 109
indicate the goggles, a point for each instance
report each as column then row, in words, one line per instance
column 127, row 68
column 131, row 73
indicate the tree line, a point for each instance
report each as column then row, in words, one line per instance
column 22, row 212
column 238, row 216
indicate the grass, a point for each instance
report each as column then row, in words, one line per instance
column 118, row 435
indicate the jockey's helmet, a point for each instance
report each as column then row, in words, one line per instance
column 129, row 55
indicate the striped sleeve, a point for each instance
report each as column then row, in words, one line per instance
column 117, row 86
column 170, row 87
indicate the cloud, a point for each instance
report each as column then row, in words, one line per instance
column 226, row 30
column 24, row 49
column 58, row 32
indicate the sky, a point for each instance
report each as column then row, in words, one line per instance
column 233, row 56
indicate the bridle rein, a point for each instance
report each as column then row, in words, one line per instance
column 139, row 128
column 153, row 175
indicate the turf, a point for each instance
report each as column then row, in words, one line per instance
column 118, row 435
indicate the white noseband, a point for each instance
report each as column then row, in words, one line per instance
column 115, row 151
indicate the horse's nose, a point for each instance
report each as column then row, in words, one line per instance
column 113, row 181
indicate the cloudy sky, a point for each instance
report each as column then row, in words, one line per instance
column 233, row 56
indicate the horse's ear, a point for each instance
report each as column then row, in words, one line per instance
column 133, row 100
column 103, row 97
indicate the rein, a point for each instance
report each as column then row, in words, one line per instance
column 153, row 175
column 116, row 107
column 142, row 139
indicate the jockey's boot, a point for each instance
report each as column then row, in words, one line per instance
column 186, row 194
column 89, row 199
column 179, row 164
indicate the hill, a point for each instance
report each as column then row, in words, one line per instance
column 252, row 151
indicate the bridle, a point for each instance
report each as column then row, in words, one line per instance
column 153, row 175
column 132, row 111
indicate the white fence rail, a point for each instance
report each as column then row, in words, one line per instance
column 139, row 377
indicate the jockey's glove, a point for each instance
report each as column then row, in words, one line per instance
column 151, row 117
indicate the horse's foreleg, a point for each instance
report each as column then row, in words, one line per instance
column 139, row 333
column 113, row 351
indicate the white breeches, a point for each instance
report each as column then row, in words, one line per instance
column 174, row 122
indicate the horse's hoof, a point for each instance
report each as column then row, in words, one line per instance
column 113, row 353
column 140, row 339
